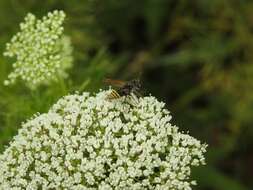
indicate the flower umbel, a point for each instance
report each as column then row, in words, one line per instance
column 40, row 50
column 88, row 142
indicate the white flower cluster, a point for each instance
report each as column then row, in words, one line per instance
column 89, row 142
column 41, row 50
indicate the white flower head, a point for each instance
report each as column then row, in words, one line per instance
column 90, row 142
column 41, row 50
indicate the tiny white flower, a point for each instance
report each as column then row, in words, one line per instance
column 41, row 50
column 88, row 142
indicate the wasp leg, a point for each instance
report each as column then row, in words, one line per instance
column 133, row 99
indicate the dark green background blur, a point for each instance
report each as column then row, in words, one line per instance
column 197, row 56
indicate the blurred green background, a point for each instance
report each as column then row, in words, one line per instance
column 197, row 56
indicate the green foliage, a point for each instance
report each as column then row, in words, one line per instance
column 194, row 55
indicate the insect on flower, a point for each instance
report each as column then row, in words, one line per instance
column 125, row 88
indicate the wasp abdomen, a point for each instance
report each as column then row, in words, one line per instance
column 113, row 95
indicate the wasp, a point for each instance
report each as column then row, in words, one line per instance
column 125, row 88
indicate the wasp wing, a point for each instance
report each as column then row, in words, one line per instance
column 116, row 83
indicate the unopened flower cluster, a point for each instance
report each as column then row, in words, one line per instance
column 41, row 51
column 91, row 142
